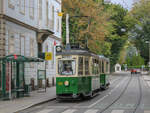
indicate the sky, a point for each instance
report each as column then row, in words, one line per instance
column 125, row 3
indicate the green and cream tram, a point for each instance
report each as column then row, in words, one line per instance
column 80, row 73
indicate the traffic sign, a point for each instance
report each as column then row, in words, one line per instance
column 48, row 55
column 60, row 14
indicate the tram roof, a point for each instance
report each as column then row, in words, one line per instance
column 74, row 52
column 20, row 58
column 81, row 52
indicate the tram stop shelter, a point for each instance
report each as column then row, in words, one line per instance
column 12, row 78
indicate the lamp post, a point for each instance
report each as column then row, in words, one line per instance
column 149, row 54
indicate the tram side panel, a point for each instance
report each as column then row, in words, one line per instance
column 72, row 87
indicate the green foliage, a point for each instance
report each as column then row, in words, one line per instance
column 135, row 61
column 118, row 31
column 107, row 32
column 140, row 33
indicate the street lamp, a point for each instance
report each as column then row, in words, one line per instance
column 148, row 42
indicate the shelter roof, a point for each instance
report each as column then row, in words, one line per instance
column 20, row 58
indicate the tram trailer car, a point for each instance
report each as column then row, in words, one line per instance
column 80, row 73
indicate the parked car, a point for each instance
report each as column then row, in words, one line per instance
column 133, row 71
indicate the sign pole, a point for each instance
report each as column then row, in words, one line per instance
column 45, row 76
column 10, row 74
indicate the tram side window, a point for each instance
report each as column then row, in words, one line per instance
column 0, row 75
column 86, row 66
column 102, row 66
column 66, row 67
column 80, row 69
column 107, row 67
column 95, row 67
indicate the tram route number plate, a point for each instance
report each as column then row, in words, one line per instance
column 60, row 83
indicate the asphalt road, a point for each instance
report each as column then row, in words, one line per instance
column 127, row 94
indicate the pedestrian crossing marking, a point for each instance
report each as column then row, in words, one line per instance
column 117, row 111
column 146, row 111
column 91, row 111
column 148, row 83
column 45, row 111
column 69, row 111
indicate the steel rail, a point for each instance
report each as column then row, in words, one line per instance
column 106, row 108
column 140, row 97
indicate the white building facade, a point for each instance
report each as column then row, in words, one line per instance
column 53, row 40
column 27, row 24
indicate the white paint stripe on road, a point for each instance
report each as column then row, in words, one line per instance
column 111, row 82
column 45, row 111
column 91, row 111
column 148, row 83
column 117, row 111
column 69, row 111
column 97, row 101
column 146, row 111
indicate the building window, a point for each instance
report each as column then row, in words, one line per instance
column 31, row 9
column 31, row 47
column 22, row 6
column 11, row 4
column 11, row 48
column 46, row 48
column 57, row 24
column 22, row 45
column 47, row 12
column 40, row 9
column 53, row 17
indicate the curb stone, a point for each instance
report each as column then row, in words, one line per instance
column 36, row 104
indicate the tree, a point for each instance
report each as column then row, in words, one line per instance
column 120, row 24
column 91, row 29
column 135, row 61
column 107, row 30
column 140, row 13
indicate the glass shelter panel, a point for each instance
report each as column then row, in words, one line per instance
column 66, row 67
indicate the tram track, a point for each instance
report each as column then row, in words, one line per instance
column 77, row 103
column 122, row 93
column 140, row 97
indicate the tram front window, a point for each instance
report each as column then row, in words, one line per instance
column 66, row 67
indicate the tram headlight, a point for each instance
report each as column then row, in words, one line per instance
column 66, row 83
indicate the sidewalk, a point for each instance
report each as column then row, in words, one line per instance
column 15, row 105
